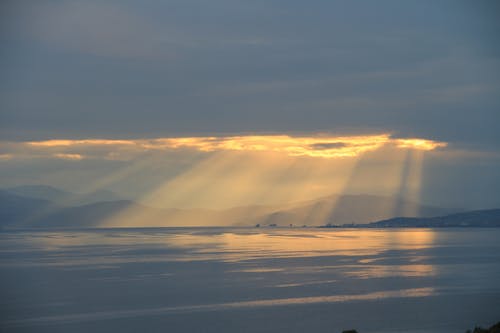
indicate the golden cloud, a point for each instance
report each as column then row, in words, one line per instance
column 323, row 146
column 419, row 144
column 87, row 142
column 73, row 157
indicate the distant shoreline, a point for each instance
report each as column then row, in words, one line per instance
column 362, row 227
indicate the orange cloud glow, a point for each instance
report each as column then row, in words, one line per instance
column 74, row 157
column 88, row 142
column 322, row 146
column 419, row 144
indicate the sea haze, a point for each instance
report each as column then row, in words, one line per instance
column 249, row 280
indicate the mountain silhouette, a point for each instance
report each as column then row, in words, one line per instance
column 61, row 197
column 476, row 218
column 24, row 211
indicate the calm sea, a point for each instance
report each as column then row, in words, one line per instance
column 249, row 280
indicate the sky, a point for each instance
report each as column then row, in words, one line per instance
column 222, row 101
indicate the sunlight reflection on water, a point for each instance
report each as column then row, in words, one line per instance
column 102, row 275
column 124, row 245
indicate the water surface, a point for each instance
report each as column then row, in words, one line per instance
column 249, row 280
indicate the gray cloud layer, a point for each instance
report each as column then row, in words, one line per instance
column 155, row 68
column 147, row 69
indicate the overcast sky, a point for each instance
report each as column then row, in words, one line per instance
column 146, row 69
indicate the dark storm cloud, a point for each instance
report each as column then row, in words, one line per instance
column 121, row 69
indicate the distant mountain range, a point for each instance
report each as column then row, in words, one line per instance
column 477, row 218
column 349, row 209
column 15, row 209
column 61, row 197
column 45, row 206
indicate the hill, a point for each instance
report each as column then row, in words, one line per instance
column 476, row 218
column 15, row 210
column 20, row 211
column 348, row 209
column 61, row 197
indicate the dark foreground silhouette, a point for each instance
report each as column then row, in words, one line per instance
column 493, row 329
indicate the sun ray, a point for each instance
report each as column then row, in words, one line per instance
column 271, row 170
